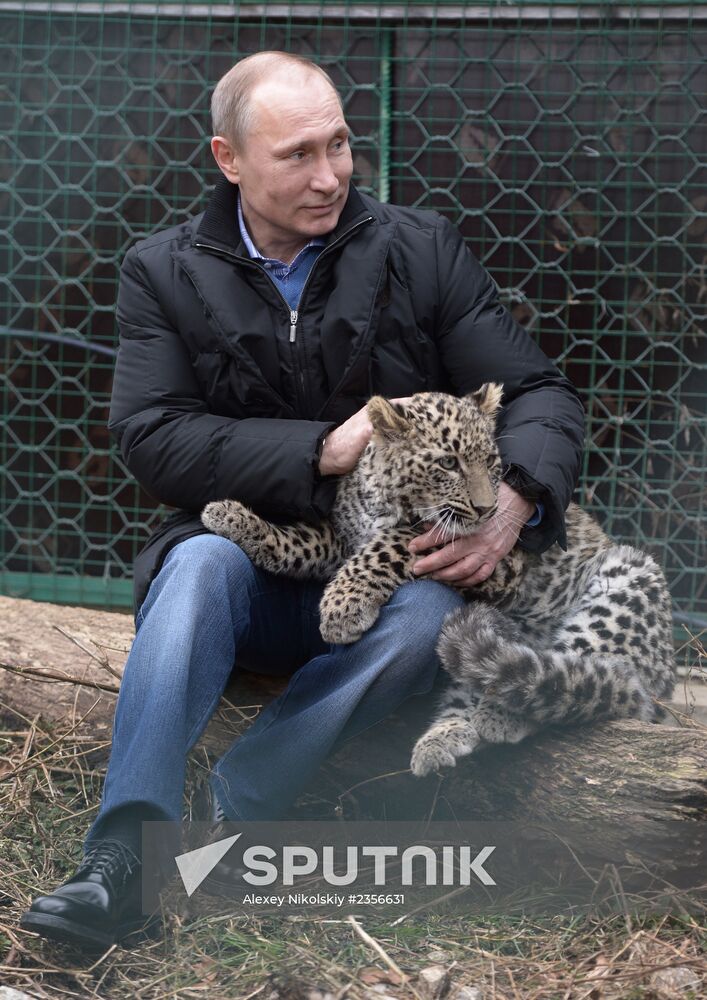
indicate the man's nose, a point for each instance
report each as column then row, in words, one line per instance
column 324, row 179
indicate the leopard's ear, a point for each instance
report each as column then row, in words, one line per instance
column 488, row 397
column 387, row 418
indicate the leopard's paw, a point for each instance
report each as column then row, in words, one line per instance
column 429, row 756
column 440, row 746
column 344, row 620
column 230, row 519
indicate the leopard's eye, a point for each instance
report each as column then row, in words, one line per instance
column 448, row 462
column 491, row 460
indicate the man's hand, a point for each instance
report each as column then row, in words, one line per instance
column 471, row 560
column 343, row 446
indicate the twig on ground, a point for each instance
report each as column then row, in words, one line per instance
column 372, row 943
column 49, row 675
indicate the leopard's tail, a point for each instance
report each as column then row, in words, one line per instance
column 482, row 647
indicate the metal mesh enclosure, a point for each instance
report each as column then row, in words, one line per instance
column 567, row 142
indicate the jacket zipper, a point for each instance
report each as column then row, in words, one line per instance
column 337, row 241
column 294, row 313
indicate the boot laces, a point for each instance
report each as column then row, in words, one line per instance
column 113, row 858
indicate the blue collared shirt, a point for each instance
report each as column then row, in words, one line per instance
column 289, row 278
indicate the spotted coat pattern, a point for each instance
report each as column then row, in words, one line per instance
column 560, row 637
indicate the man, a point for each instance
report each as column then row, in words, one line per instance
column 251, row 338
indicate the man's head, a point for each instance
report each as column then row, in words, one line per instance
column 280, row 134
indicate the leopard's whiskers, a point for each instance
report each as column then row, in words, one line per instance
column 440, row 524
column 508, row 517
column 435, row 508
column 449, row 520
column 505, row 519
column 439, row 514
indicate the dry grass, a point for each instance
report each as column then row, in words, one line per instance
column 50, row 781
column 691, row 656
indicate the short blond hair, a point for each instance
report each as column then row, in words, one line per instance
column 231, row 106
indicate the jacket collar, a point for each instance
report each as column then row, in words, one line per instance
column 219, row 223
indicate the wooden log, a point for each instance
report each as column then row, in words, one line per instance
column 83, row 645
column 620, row 770
column 624, row 771
column 566, row 807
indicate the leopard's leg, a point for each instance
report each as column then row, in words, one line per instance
column 611, row 653
column 626, row 610
column 299, row 550
column 352, row 600
column 452, row 733
column 464, row 722
column 495, row 724
column 608, row 654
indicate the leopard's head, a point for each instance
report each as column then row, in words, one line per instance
column 439, row 458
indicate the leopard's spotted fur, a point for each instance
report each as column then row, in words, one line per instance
column 552, row 638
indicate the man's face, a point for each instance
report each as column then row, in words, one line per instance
column 295, row 167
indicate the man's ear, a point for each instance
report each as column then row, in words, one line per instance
column 388, row 418
column 487, row 398
column 226, row 158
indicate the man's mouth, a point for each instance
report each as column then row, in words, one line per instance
column 322, row 208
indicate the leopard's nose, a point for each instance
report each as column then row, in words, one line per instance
column 481, row 510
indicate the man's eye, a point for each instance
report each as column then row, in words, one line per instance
column 448, row 462
column 299, row 155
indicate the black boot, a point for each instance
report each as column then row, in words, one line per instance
column 99, row 905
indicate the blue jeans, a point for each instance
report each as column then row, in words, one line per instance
column 209, row 605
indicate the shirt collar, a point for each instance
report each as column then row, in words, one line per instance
column 316, row 241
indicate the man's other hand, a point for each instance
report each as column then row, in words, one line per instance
column 468, row 561
column 344, row 445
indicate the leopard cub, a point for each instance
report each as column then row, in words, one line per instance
column 433, row 459
column 560, row 637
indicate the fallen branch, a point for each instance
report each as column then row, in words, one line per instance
column 49, row 675
column 103, row 660
column 372, row 943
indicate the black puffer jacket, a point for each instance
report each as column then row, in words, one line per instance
column 218, row 393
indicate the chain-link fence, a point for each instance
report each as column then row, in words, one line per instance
column 567, row 141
